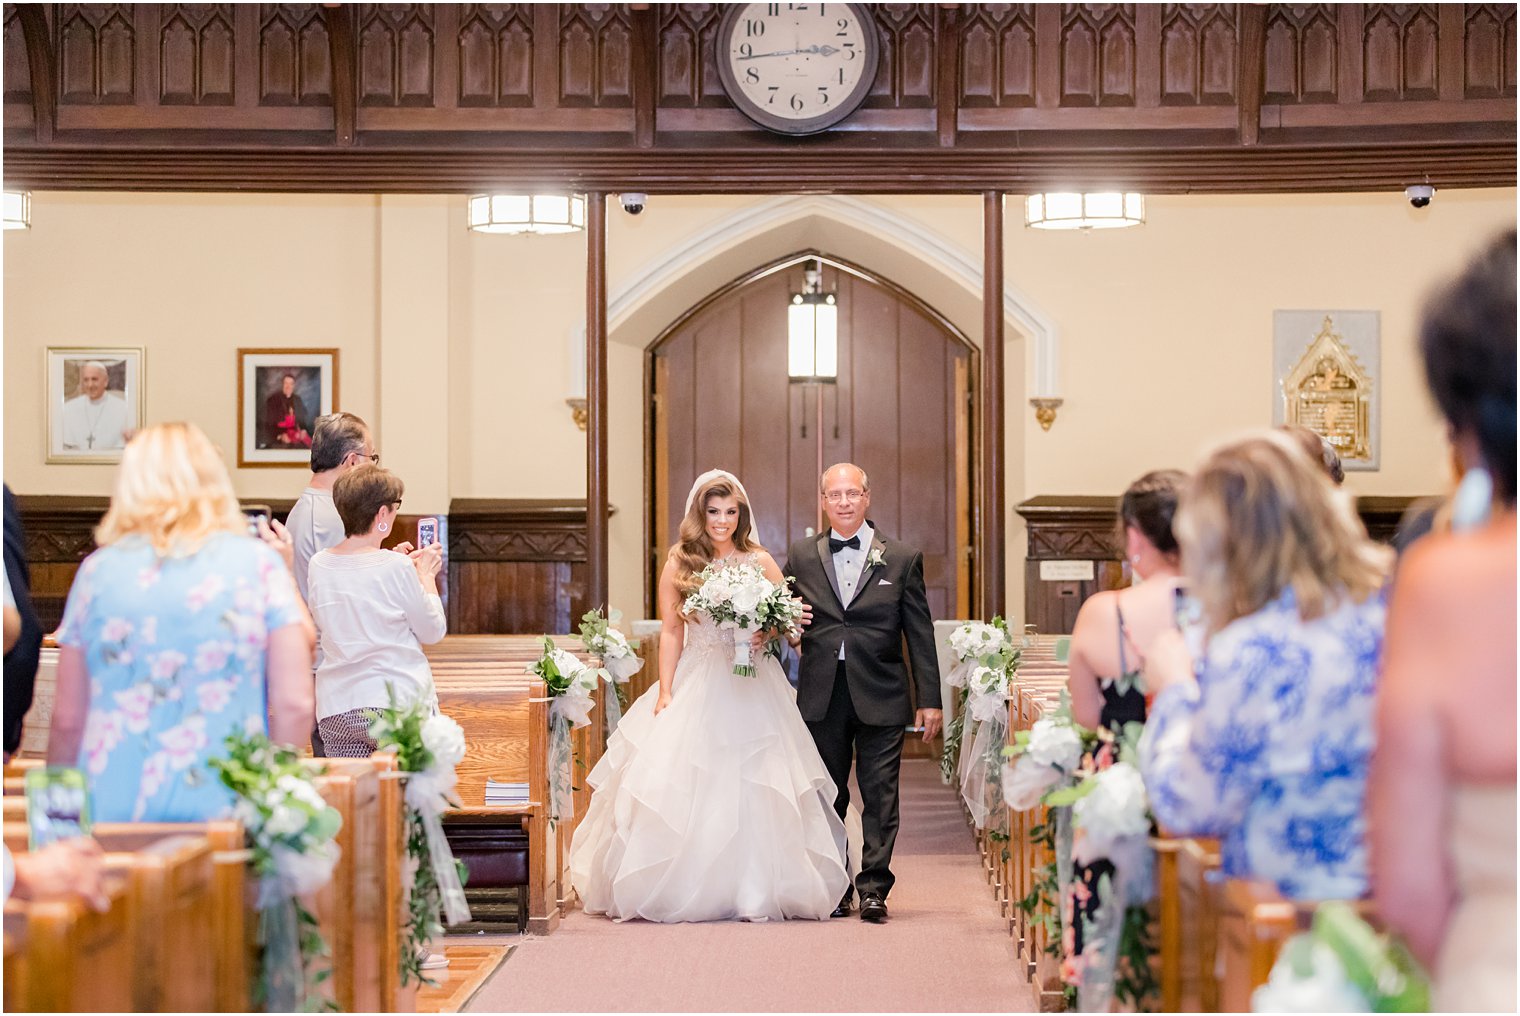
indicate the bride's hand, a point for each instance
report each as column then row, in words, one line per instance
column 760, row 640
column 661, row 702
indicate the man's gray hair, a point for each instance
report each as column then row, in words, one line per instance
column 865, row 481
column 334, row 438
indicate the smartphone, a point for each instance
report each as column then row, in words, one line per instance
column 427, row 532
column 254, row 512
column 57, row 805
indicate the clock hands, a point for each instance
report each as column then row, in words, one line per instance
column 824, row 50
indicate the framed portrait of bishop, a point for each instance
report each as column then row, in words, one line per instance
column 281, row 392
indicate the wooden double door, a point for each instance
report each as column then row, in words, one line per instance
column 901, row 409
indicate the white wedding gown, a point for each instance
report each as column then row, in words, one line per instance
column 717, row 809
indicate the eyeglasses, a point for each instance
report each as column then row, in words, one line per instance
column 834, row 496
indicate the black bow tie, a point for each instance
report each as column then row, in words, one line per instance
column 835, row 546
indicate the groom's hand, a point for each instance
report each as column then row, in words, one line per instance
column 931, row 720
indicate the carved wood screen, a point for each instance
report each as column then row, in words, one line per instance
column 900, row 409
column 1169, row 97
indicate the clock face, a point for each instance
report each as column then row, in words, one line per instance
column 797, row 68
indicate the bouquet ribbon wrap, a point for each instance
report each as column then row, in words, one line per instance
column 744, row 635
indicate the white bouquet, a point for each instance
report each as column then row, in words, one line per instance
column 1047, row 753
column 570, row 683
column 741, row 599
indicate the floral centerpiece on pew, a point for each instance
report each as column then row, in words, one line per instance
column 618, row 661
column 986, row 659
column 291, row 832
column 1098, row 812
column 739, row 598
column 572, row 688
column 428, row 747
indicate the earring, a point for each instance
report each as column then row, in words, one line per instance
column 384, row 527
column 1134, row 560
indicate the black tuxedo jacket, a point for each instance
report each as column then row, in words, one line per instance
column 890, row 608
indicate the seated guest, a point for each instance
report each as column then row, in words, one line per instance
column 1319, row 449
column 1268, row 747
column 374, row 611
column 1114, row 628
column 1442, row 800
column 178, row 631
column 1108, row 644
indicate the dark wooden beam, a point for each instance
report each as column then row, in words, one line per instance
column 947, row 60
column 343, row 38
column 994, row 562
column 1251, row 80
column 39, row 60
column 646, row 68
column 1487, row 159
column 596, row 399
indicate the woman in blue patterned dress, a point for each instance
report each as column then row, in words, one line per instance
column 1268, row 747
column 178, row 631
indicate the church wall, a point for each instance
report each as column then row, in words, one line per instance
column 459, row 345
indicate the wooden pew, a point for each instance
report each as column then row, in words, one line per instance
column 351, row 907
column 63, row 956
column 484, row 683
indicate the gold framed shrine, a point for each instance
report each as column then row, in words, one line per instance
column 1329, row 389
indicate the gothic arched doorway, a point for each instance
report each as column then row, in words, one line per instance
column 718, row 395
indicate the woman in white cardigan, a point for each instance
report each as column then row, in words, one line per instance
column 374, row 609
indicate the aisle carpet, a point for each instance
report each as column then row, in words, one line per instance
column 945, row 948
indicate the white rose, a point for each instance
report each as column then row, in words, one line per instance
column 444, row 739
column 1026, row 781
column 1113, row 810
column 1054, row 744
column 285, row 821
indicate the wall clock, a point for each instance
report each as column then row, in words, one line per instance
column 797, row 68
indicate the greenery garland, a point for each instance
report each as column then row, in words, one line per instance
column 399, row 729
column 290, row 832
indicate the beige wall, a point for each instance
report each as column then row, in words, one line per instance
column 458, row 346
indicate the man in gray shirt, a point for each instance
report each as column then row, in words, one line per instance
column 339, row 442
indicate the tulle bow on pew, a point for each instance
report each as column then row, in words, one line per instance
column 572, row 687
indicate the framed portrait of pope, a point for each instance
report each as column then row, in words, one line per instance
column 94, row 402
column 281, row 393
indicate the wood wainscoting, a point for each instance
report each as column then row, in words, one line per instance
column 1068, row 534
column 517, row 566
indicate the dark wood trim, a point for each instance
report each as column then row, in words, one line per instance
column 646, row 69
column 1488, row 159
column 1251, row 78
column 342, row 35
column 947, row 58
column 993, row 523
column 39, row 60
column 495, row 530
column 596, row 397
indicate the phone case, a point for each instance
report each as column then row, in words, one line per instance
column 57, row 805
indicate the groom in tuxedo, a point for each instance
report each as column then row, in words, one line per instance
column 867, row 598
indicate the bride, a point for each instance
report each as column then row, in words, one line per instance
column 711, row 802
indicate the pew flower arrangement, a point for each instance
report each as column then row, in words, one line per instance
column 292, row 834
column 428, row 746
column 572, row 689
column 739, row 598
column 986, row 659
column 618, row 661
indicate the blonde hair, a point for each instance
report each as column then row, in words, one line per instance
column 1258, row 518
column 693, row 550
column 173, row 490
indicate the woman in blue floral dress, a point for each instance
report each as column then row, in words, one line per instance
column 1268, row 748
column 179, row 630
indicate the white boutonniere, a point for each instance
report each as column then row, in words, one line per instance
column 875, row 558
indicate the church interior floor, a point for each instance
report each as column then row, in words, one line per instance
column 945, row 947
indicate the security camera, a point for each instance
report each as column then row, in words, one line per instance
column 1419, row 194
column 633, row 204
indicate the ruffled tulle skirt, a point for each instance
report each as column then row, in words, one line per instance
column 717, row 809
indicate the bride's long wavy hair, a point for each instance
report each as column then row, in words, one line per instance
column 694, row 550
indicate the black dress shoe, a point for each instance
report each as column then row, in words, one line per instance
column 843, row 910
column 873, row 908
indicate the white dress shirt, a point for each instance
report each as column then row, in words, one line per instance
column 372, row 618
column 849, row 564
